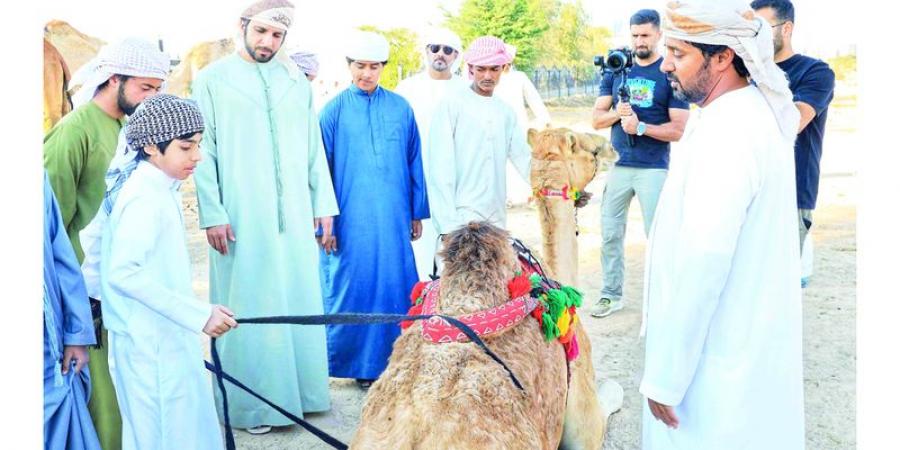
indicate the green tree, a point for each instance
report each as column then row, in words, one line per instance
column 405, row 55
column 518, row 22
column 843, row 66
column 571, row 41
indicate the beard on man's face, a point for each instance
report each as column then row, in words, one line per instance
column 439, row 64
column 643, row 52
column 779, row 43
column 695, row 93
column 253, row 51
column 127, row 107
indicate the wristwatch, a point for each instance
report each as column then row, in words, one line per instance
column 641, row 128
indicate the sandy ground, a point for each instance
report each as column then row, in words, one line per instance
column 829, row 306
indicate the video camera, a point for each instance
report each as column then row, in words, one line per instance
column 618, row 63
column 618, row 60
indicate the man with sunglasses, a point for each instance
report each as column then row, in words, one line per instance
column 472, row 136
column 424, row 92
column 812, row 83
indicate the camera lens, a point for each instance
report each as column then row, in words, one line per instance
column 616, row 60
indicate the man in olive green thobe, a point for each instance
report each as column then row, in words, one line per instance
column 77, row 153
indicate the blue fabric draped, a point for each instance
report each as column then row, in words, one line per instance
column 67, row 321
column 372, row 145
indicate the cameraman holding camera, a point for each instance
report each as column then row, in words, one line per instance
column 642, row 127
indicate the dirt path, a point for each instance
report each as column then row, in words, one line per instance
column 829, row 309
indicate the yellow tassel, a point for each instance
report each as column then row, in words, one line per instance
column 563, row 323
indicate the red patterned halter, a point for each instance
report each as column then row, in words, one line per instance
column 485, row 323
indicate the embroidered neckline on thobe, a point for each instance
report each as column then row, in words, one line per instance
column 276, row 152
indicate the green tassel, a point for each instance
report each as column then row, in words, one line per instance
column 551, row 331
column 535, row 280
column 557, row 301
column 574, row 296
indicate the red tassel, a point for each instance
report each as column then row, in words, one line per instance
column 416, row 292
column 414, row 311
column 519, row 286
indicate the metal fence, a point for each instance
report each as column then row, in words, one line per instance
column 555, row 82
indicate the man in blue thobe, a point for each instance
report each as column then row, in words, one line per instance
column 367, row 265
column 68, row 330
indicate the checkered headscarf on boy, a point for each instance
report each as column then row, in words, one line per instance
column 162, row 118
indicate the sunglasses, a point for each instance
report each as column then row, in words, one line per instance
column 434, row 48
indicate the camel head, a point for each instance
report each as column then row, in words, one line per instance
column 75, row 47
column 563, row 157
column 478, row 263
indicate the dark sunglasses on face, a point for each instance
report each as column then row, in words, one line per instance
column 434, row 48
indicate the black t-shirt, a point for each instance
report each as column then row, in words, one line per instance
column 811, row 82
column 651, row 98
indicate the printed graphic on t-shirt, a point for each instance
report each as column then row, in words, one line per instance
column 641, row 92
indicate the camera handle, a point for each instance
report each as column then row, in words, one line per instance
column 624, row 96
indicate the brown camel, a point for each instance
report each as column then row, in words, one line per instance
column 57, row 101
column 200, row 56
column 563, row 163
column 76, row 47
column 453, row 396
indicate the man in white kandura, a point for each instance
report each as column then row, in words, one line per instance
column 517, row 90
column 723, row 366
column 424, row 92
column 471, row 137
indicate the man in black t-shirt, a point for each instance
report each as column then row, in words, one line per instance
column 653, row 117
column 812, row 83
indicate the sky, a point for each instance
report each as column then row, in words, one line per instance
column 821, row 30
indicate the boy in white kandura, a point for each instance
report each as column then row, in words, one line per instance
column 153, row 319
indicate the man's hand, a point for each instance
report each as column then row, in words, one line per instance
column 624, row 109
column 664, row 413
column 629, row 124
column 218, row 237
column 584, row 199
column 77, row 353
column 330, row 245
column 327, row 241
column 327, row 224
column 221, row 321
column 416, row 231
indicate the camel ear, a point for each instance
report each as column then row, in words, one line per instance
column 571, row 140
column 532, row 133
column 590, row 142
column 605, row 150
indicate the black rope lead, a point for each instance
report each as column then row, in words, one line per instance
column 217, row 369
column 328, row 319
column 229, row 434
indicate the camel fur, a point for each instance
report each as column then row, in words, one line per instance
column 200, row 56
column 453, row 396
column 561, row 157
column 75, row 47
column 57, row 101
